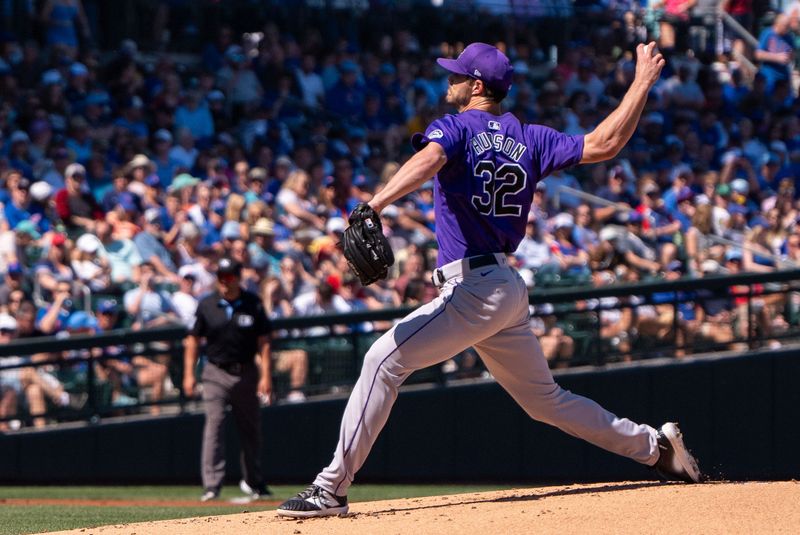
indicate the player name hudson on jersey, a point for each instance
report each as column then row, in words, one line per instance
column 500, row 143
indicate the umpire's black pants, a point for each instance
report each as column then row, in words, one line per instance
column 237, row 388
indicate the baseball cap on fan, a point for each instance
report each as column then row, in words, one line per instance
column 483, row 62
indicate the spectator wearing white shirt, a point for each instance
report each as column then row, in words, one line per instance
column 184, row 301
column 325, row 300
column 146, row 304
column 534, row 252
column 310, row 83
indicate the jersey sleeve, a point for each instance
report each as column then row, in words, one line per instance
column 553, row 150
column 445, row 131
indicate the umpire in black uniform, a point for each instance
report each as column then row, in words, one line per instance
column 236, row 329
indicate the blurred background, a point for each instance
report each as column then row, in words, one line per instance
column 142, row 140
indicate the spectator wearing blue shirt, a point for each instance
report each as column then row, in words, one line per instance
column 54, row 317
column 151, row 248
column 165, row 165
column 194, row 114
column 16, row 208
column 346, row 97
column 19, row 153
column 776, row 51
column 131, row 118
column 681, row 179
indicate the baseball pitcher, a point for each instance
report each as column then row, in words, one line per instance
column 486, row 165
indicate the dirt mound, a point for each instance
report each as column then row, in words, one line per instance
column 631, row 507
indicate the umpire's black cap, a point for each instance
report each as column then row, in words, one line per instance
column 228, row 266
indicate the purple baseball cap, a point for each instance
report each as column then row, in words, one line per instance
column 483, row 62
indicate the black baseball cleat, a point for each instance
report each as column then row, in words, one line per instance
column 675, row 462
column 314, row 501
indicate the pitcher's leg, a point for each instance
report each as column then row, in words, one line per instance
column 515, row 358
column 429, row 335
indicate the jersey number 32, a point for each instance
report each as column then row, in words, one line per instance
column 497, row 183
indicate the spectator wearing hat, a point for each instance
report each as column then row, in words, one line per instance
column 262, row 245
column 635, row 252
column 571, row 258
column 256, row 180
column 14, row 279
column 123, row 372
column 151, row 247
column 152, row 192
column 74, row 206
column 324, row 300
column 139, row 168
column 184, row 301
column 55, row 266
column 237, row 332
column 14, row 244
column 17, row 208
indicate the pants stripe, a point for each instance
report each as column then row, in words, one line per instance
column 375, row 377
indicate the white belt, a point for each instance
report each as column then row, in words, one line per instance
column 460, row 268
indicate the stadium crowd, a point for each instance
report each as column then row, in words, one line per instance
column 127, row 175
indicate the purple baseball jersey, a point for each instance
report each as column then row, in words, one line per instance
column 484, row 192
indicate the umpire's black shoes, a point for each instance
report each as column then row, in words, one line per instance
column 314, row 501
column 675, row 462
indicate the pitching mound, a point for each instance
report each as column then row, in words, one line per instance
column 643, row 507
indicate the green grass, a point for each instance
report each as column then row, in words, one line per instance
column 38, row 518
column 22, row 519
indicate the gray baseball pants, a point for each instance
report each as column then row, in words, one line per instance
column 220, row 389
column 486, row 308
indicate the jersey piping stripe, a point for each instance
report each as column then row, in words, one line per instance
column 375, row 377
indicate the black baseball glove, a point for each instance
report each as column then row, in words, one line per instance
column 365, row 247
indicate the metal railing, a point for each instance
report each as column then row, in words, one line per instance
column 335, row 360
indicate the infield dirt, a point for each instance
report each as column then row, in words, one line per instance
column 629, row 507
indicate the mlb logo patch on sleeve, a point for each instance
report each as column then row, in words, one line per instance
column 436, row 134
